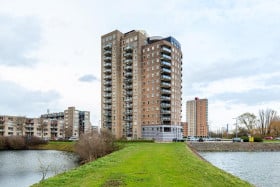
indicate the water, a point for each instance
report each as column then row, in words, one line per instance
column 261, row 169
column 24, row 168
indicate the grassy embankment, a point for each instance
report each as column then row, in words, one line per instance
column 147, row 164
column 56, row 145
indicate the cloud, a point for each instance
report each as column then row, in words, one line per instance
column 88, row 78
column 17, row 100
column 19, row 37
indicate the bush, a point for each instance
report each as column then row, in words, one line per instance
column 33, row 140
column 258, row 139
column 245, row 138
column 3, row 143
column 16, row 142
column 94, row 145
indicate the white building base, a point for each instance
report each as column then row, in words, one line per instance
column 166, row 133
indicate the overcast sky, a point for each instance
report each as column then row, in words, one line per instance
column 50, row 52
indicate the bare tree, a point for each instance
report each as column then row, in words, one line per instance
column 265, row 119
column 249, row 120
column 20, row 123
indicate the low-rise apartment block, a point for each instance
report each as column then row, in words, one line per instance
column 61, row 125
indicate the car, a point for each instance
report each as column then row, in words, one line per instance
column 278, row 138
column 73, row 138
column 268, row 138
column 236, row 139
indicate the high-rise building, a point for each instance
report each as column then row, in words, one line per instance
column 141, row 85
column 197, row 117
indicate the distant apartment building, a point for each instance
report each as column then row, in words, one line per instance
column 141, row 85
column 70, row 123
column 197, row 117
column 184, row 128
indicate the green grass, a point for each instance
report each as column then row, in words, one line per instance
column 147, row 164
column 56, row 145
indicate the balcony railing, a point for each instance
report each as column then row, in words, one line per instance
column 165, row 63
column 128, row 68
column 128, row 74
column 107, row 77
column 165, row 105
column 108, row 65
column 165, row 84
column 165, row 98
column 165, row 71
column 165, row 91
column 166, row 50
column 109, row 89
column 165, row 57
column 108, row 83
column 128, row 61
column 108, row 46
column 108, row 95
column 166, row 77
column 107, row 59
column 128, row 55
column 107, row 53
column 128, row 49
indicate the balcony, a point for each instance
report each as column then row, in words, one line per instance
column 128, row 87
column 128, row 112
column 107, row 53
column 165, row 50
column 107, row 47
column 108, row 59
column 108, row 65
column 165, row 118
column 108, row 95
column 128, row 74
column 107, row 71
column 128, row 93
column 165, row 71
column 165, row 57
column 165, row 112
column 128, row 55
column 166, row 77
column 165, row 91
column 107, row 83
column 106, row 101
column 128, row 68
column 108, row 120
column 128, row 81
column 128, row 61
column 128, row 99
column 107, row 114
column 165, row 98
column 165, row 85
column 108, row 107
column 165, row 105
column 108, row 89
column 107, row 77
column 128, row 106
column 165, row 63
column 128, row 49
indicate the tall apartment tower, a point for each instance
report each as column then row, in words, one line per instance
column 141, row 85
column 197, row 117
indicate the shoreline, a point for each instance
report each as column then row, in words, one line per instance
column 234, row 147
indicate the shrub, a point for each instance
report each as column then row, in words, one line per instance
column 33, row 140
column 3, row 143
column 16, row 142
column 245, row 138
column 94, row 145
column 258, row 139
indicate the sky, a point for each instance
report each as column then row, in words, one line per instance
column 50, row 55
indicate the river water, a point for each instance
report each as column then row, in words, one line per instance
column 24, row 168
column 261, row 169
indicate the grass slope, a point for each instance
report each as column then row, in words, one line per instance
column 147, row 164
column 56, row 145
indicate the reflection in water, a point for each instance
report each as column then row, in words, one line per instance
column 259, row 168
column 23, row 168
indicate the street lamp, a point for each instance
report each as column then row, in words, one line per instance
column 236, row 126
